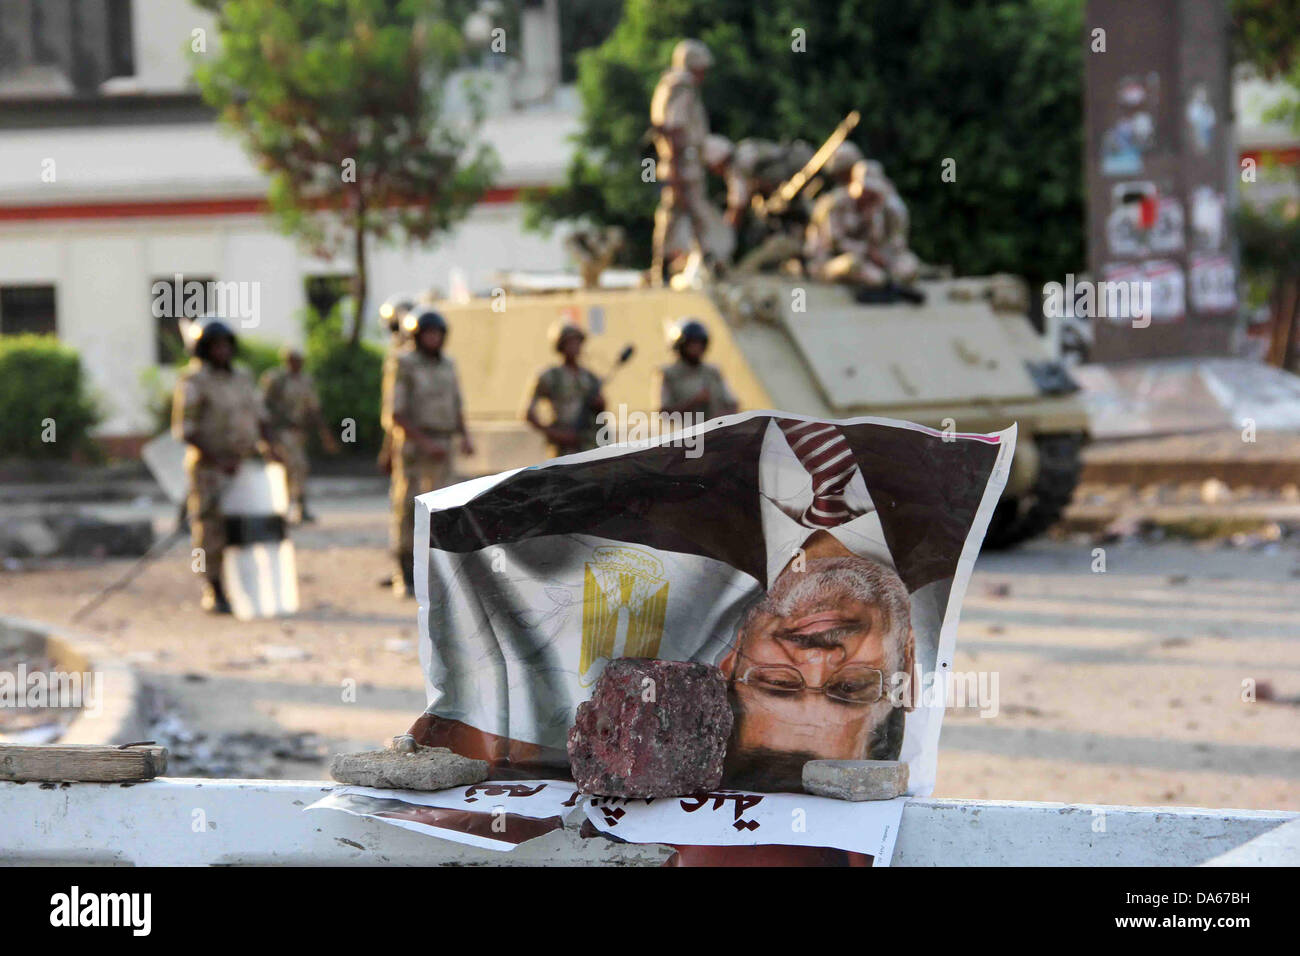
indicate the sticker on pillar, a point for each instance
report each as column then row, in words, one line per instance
column 1132, row 134
column 1202, row 120
column 1208, row 210
column 1214, row 284
column 1143, row 221
column 1155, row 289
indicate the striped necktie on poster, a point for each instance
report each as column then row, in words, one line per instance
column 825, row 454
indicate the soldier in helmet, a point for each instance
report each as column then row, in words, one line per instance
column 218, row 413
column 839, row 168
column 427, row 414
column 756, row 172
column 392, row 315
column 690, row 385
column 572, row 391
column 855, row 237
column 293, row 407
column 681, row 129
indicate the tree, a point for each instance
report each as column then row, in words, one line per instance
column 995, row 85
column 1265, row 37
column 341, row 102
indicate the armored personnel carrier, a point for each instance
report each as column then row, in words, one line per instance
column 966, row 360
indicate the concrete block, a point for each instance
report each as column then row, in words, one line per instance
column 855, row 779
column 427, row 768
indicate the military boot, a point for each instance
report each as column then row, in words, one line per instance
column 404, row 584
column 214, row 599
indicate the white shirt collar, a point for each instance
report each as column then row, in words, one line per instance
column 785, row 491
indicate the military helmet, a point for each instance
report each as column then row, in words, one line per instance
column 691, row 55
column 562, row 330
column 689, row 330
column 422, row 321
column 844, row 158
column 717, row 150
column 209, row 331
column 393, row 311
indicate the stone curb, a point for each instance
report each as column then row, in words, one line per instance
column 121, row 718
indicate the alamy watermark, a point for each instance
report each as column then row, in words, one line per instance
column 643, row 429
column 38, row 690
column 1085, row 299
column 194, row 298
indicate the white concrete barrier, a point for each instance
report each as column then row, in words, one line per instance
column 196, row 821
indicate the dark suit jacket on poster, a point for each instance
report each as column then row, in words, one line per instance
column 926, row 490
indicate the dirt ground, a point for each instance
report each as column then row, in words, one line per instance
column 1117, row 687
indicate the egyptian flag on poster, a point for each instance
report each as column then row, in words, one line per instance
column 761, row 543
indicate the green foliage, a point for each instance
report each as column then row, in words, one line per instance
column 994, row 84
column 42, row 379
column 1270, row 245
column 348, row 380
column 1265, row 35
column 341, row 102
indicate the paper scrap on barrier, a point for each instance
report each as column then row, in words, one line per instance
column 492, row 815
column 740, row 818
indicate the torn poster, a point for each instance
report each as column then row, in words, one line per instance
column 493, row 816
column 819, row 565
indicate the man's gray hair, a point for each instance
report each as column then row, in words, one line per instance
column 864, row 578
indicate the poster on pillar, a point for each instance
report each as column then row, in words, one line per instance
column 816, row 567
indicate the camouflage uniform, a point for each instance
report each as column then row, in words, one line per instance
column 759, row 169
column 221, row 410
column 426, row 392
column 680, row 381
column 293, row 407
column 849, row 240
column 398, row 345
column 682, row 216
column 566, row 390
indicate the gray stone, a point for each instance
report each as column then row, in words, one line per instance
column 428, row 768
column 855, row 779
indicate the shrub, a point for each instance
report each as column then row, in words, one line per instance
column 43, row 393
column 348, row 380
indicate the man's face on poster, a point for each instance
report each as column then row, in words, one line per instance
column 811, row 670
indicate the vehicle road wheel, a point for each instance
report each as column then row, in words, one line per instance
column 1019, row 519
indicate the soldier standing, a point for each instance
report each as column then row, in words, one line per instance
column 681, row 129
column 218, row 412
column 690, row 385
column 573, row 392
column 427, row 412
column 392, row 316
column 293, row 407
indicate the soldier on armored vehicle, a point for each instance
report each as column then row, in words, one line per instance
column 858, row 233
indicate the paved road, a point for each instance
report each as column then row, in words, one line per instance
column 1125, row 686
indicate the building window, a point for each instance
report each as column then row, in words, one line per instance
column 27, row 308
column 121, row 47
column 172, row 298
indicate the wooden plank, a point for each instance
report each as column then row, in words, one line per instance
column 82, row 764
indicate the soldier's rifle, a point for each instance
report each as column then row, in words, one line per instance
column 777, row 203
column 586, row 415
